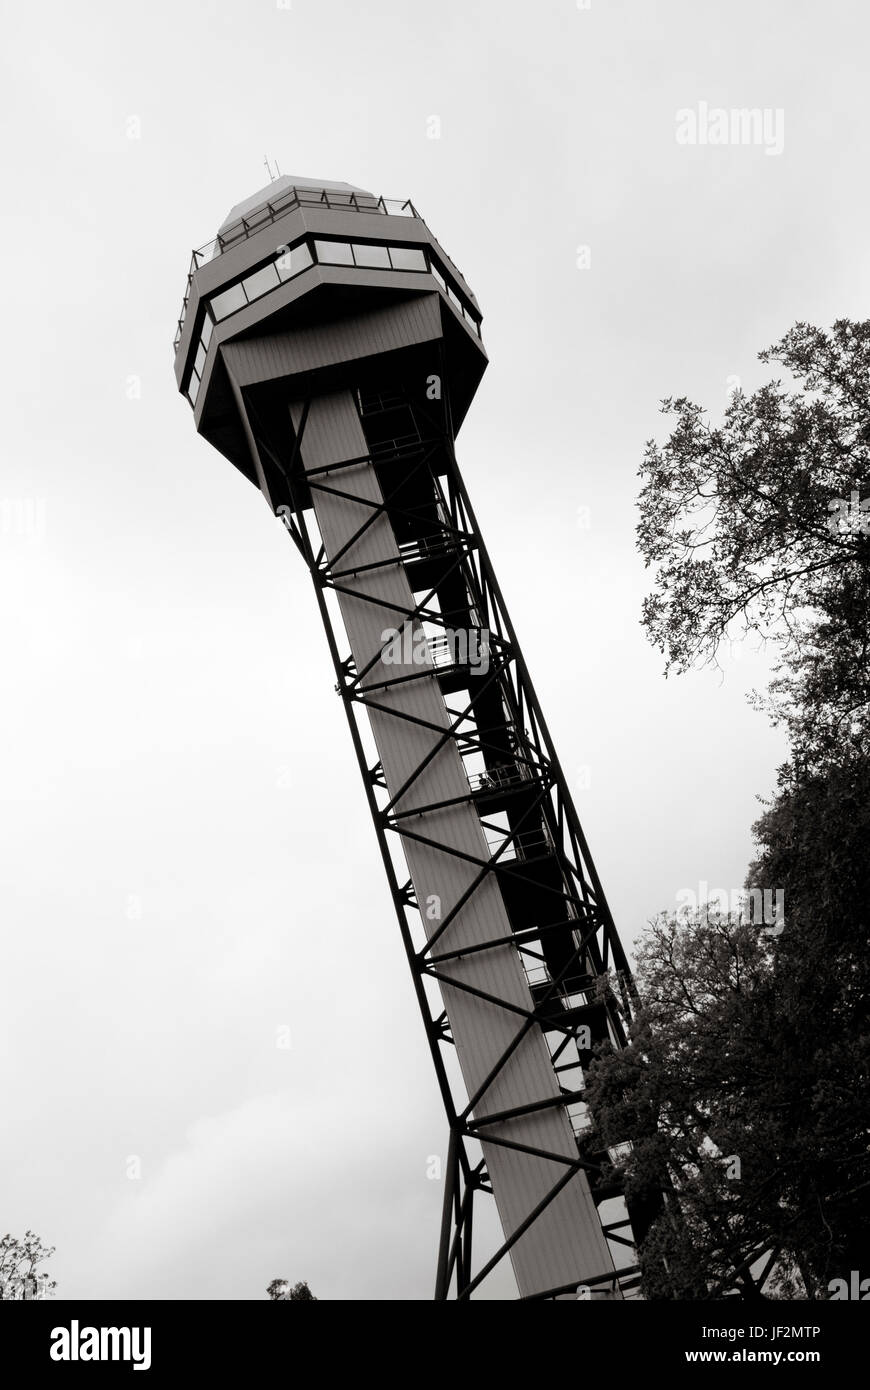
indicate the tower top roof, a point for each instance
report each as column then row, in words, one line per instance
column 281, row 185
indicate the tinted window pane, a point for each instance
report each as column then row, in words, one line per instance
column 193, row 388
column 404, row 259
column 334, row 252
column 375, row 256
column 207, row 330
column 454, row 299
column 289, row 263
column 439, row 277
column 228, row 302
column 199, row 360
column 261, row 281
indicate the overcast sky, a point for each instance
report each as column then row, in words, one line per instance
column 170, row 744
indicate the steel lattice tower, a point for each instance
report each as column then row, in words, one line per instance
column 330, row 349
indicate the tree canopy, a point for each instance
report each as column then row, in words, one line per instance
column 761, row 525
column 745, row 1087
column 746, row 1080
column 20, row 1273
column 282, row 1291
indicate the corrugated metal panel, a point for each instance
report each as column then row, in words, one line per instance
column 566, row 1243
column 414, row 320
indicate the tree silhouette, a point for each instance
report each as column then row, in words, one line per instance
column 20, row 1277
column 762, row 525
column 283, row 1292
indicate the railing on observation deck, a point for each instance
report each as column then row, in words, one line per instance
column 427, row 547
column 268, row 212
column 495, row 778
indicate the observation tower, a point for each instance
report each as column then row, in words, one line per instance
column 330, row 349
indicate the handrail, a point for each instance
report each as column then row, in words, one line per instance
column 496, row 778
column 246, row 226
column 291, row 198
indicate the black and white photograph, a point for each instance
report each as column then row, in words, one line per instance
column 434, row 675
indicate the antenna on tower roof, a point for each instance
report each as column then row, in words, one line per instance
column 277, row 173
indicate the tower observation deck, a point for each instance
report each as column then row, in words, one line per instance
column 330, row 349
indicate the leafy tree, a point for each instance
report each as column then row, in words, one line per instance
column 813, row 842
column 762, row 525
column 746, row 1085
column 746, row 1082
column 283, row 1292
column 20, row 1276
